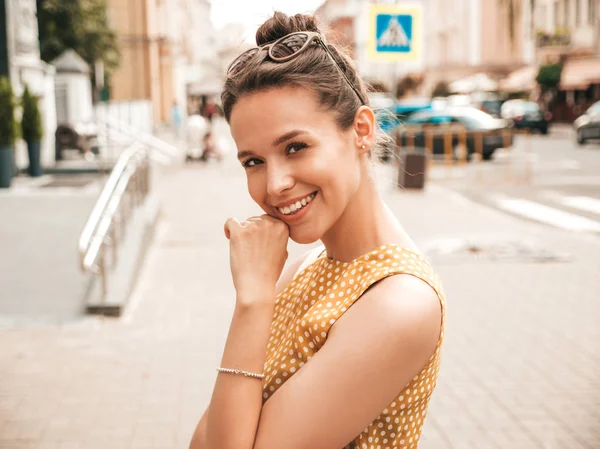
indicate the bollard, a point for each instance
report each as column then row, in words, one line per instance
column 479, row 152
column 529, row 161
column 428, row 145
column 410, row 134
column 448, row 156
column 462, row 140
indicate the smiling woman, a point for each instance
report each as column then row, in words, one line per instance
column 345, row 343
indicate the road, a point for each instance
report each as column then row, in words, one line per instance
column 547, row 179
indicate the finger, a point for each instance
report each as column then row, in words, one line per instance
column 230, row 225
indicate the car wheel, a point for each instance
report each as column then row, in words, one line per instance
column 544, row 131
column 580, row 138
column 487, row 156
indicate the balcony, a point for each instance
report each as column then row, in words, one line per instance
column 557, row 39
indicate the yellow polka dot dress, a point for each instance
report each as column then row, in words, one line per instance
column 315, row 299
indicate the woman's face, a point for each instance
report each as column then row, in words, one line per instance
column 300, row 167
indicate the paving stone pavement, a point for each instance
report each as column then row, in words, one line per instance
column 520, row 364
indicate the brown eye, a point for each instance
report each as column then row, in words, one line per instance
column 253, row 162
column 294, row 147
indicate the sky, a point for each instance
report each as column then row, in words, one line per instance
column 251, row 13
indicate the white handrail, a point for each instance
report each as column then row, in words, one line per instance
column 128, row 179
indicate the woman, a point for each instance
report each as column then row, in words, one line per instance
column 336, row 371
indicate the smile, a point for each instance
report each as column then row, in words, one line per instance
column 296, row 207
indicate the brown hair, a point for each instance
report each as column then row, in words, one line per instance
column 312, row 70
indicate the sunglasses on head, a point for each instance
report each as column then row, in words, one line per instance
column 285, row 49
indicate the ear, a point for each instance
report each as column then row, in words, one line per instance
column 364, row 129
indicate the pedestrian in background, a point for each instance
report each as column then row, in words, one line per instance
column 342, row 348
column 176, row 118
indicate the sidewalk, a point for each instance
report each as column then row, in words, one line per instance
column 520, row 362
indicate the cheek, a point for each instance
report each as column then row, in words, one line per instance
column 257, row 189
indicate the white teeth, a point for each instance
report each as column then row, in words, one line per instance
column 297, row 205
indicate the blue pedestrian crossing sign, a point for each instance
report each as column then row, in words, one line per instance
column 395, row 33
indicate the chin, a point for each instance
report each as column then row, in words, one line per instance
column 304, row 237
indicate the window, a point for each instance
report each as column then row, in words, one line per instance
column 577, row 12
column 592, row 12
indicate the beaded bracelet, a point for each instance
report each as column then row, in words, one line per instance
column 237, row 371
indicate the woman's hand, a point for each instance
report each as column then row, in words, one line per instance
column 258, row 251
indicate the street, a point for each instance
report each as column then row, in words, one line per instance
column 521, row 356
column 563, row 189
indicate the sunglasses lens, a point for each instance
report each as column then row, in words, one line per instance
column 241, row 61
column 288, row 46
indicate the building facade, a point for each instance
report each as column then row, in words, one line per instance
column 165, row 45
column 465, row 37
column 568, row 32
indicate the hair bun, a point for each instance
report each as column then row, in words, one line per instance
column 281, row 25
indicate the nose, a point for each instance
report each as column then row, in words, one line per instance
column 279, row 179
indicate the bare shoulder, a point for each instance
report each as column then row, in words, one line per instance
column 292, row 268
column 402, row 306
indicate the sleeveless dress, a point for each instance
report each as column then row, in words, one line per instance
column 315, row 299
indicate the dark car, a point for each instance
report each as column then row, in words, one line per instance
column 474, row 120
column 588, row 125
column 526, row 115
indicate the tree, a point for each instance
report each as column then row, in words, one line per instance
column 548, row 76
column 31, row 121
column 81, row 25
column 8, row 126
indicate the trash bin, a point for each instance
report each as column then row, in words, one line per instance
column 411, row 170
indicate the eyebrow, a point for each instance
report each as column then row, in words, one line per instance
column 287, row 136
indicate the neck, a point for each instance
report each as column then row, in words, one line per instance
column 366, row 224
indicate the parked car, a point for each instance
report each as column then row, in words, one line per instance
column 526, row 115
column 392, row 116
column 588, row 125
column 474, row 120
column 492, row 106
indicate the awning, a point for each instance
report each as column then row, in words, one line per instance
column 521, row 80
column 578, row 74
column 479, row 82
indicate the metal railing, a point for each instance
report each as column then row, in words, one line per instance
column 126, row 188
column 460, row 145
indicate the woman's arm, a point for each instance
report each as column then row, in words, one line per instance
column 258, row 251
column 199, row 437
column 235, row 406
column 372, row 352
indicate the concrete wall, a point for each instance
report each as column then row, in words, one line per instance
column 40, row 275
column 40, row 279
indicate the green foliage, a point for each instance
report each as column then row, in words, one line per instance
column 549, row 76
column 7, row 114
column 81, row 25
column 441, row 89
column 31, row 122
